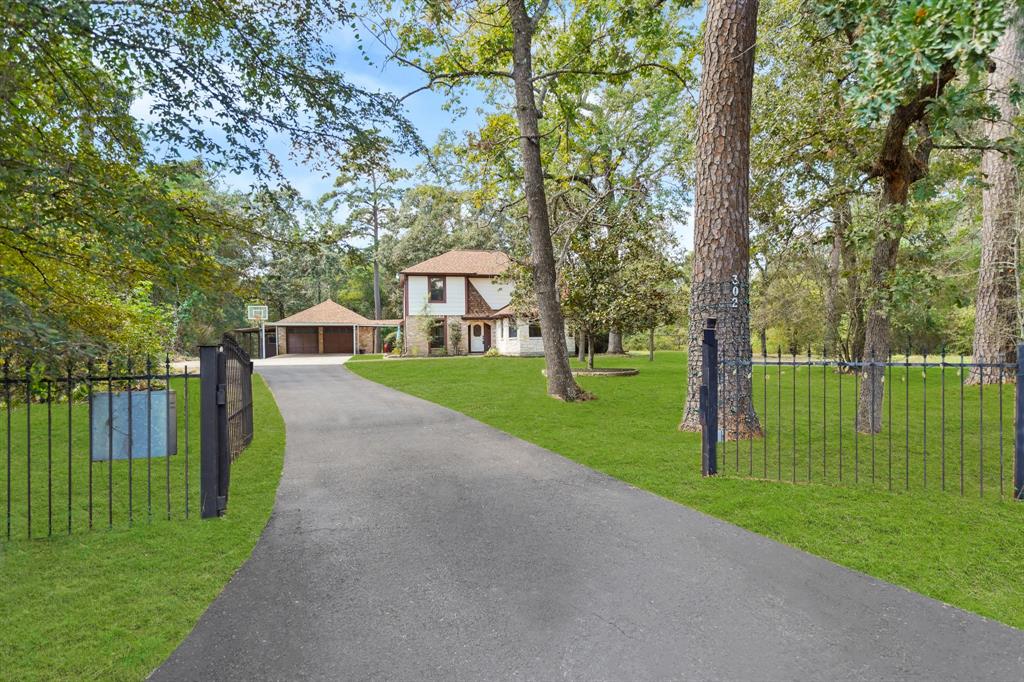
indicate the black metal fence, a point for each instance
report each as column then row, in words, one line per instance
column 238, row 383
column 108, row 444
column 227, row 399
column 928, row 422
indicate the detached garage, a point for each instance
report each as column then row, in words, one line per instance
column 327, row 328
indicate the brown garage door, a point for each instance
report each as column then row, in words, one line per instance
column 337, row 339
column 302, row 340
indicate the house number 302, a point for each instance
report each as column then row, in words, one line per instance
column 735, row 303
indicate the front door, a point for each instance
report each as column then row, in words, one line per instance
column 476, row 338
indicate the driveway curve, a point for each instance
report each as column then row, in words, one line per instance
column 410, row 542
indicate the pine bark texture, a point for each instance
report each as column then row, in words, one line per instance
column 721, row 275
column 995, row 325
column 561, row 383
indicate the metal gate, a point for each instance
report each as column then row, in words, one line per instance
column 227, row 418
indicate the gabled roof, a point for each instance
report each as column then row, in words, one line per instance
column 327, row 312
column 462, row 262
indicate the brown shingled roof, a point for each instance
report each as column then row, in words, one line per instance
column 462, row 262
column 327, row 312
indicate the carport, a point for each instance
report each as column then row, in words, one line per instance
column 327, row 328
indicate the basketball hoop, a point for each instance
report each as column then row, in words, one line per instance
column 256, row 313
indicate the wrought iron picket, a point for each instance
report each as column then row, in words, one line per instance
column 80, row 446
column 227, row 419
column 810, row 436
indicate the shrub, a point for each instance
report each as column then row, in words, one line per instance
column 455, row 337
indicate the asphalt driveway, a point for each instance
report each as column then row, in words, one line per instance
column 410, row 542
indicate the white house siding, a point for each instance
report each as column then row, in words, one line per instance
column 523, row 344
column 497, row 294
column 455, row 290
column 504, row 344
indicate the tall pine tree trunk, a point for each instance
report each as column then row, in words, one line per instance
column 995, row 325
column 561, row 383
column 721, row 228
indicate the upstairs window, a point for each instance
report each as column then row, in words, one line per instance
column 436, row 287
column 535, row 330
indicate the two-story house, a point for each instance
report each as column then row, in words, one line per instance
column 464, row 288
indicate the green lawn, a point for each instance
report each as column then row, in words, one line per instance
column 366, row 356
column 966, row 551
column 112, row 604
column 811, row 431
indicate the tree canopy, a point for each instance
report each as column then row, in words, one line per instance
column 102, row 101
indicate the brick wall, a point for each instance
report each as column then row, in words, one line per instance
column 365, row 339
column 417, row 340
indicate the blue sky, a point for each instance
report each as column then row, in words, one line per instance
column 424, row 109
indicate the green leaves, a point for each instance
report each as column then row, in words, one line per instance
column 93, row 95
column 900, row 45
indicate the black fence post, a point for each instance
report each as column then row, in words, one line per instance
column 1018, row 444
column 709, row 400
column 223, row 443
column 212, row 413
